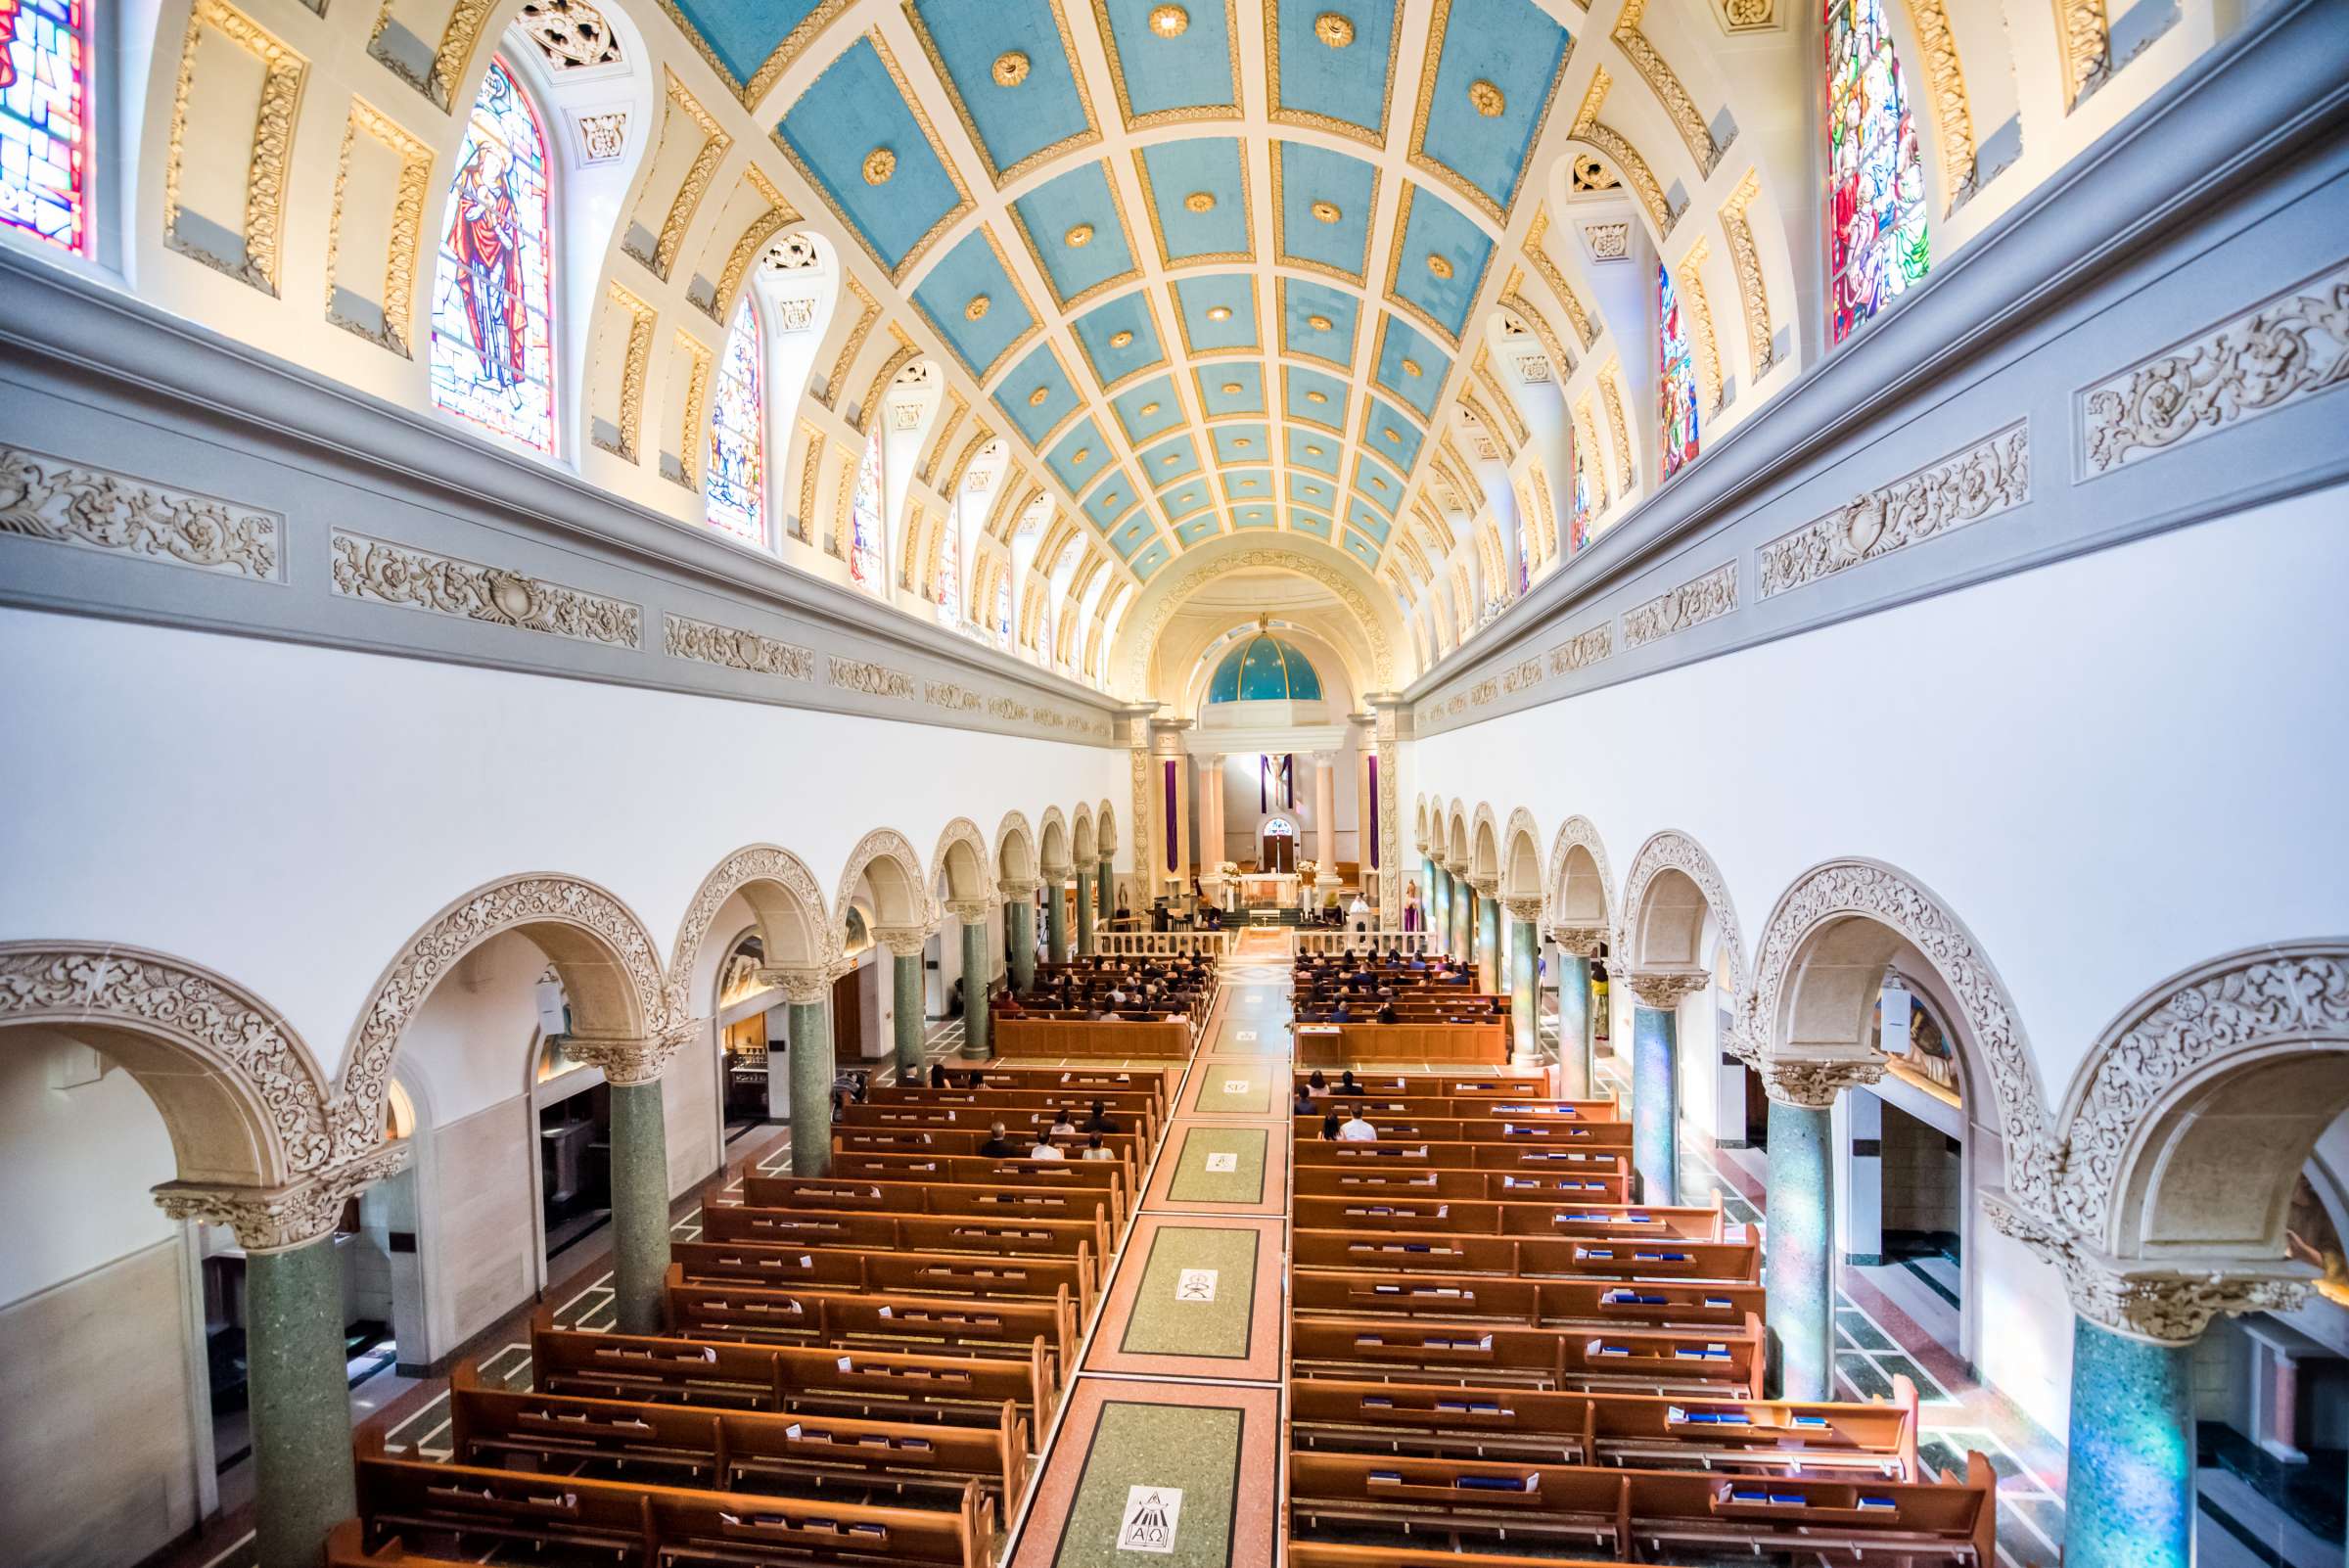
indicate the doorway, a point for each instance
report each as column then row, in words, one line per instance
column 574, row 1149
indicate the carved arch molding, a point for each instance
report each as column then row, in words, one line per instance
column 1577, row 832
column 1145, row 642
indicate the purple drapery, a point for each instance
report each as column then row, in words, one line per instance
column 1265, row 772
column 1170, row 816
column 1374, row 814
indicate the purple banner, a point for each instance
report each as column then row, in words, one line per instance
column 1374, row 834
column 1171, row 815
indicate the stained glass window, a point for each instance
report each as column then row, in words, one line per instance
column 1876, row 243
column 493, row 306
column 1004, row 611
column 1579, row 528
column 44, row 122
column 735, row 480
column 864, row 518
column 950, row 568
column 1679, row 378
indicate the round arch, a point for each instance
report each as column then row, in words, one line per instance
column 1083, row 849
column 1484, row 845
column 1578, row 885
column 1105, row 830
column 965, row 862
column 1671, row 889
column 1521, row 857
column 1015, row 849
column 884, row 860
column 1052, row 842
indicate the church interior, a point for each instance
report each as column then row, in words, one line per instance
column 1066, row 783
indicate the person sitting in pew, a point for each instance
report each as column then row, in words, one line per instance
column 1358, row 1128
column 1339, row 1014
column 1045, row 1148
column 1093, row 1150
column 1329, row 1128
column 938, row 1075
column 977, row 1080
column 1317, row 1084
column 1009, row 1007
column 1347, row 1084
column 1305, row 1100
column 1386, row 1012
column 1101, row 1121
column 1418, row 962
column 997, row 1146
column 1062, row 1126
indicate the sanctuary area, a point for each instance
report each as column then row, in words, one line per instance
column 1216, row 783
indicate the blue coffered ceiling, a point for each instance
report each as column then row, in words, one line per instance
column 1208, row 296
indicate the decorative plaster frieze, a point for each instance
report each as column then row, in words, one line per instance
column 872, row 679
column 1987, row 478
column 1608, row 242
column 1583, row 650
column 952, row 696
column 418, row 579
column 1520, row 676
column 1588, row 128
column 2283, row 351
column 1679, row 107
column 709, row 643
column 1009, row 709
column 43, row 497
column 1691, row 604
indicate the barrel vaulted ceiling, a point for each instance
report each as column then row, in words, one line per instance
column 1316, row 286
column 1214, row 264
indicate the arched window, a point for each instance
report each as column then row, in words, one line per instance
column 864, row 518
column 494, row 362
column 1579, row 529
column 735, row 480
column 1679, row 378
column 1876, row 245
column 44, row 122
column 948, row 585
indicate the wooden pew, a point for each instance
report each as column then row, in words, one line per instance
column 1450, row 1085
column 1708, row 1360
column 1409, row 1106
column 1014, row 1183
column 1118, row 1040
column 1578, row 1257
column 1452, row 1131
column 1133, row 1113
column 1527, row 1302
column 1061, row 1080
column 1594, row 1185
column 1331, row 1554
column 1776, row 1436
column 1483, row 1217
column 1075, row 1225
column 1347, row 1044
column 981, row 1327
column 723, row 1448
column 1655, row 1516
column 1126, row 1147
column 925, row 1273
column 872, row 1385
column 659, row 1524
column 910, row 1198
column 1588, row 1140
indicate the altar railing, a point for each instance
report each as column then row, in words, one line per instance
column 1337, row 941
column 1167, row 943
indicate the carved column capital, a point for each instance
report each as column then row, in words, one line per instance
column 1527, row 910
column 1579, row 942
column 970, row 911
column 1054, row 875
column 2166, row 1303
column 904, row 942
column 628, row 1060
column 1813, row 1084
column 1019, row 888
column 281, row 1219
column 1485, row 886
column 1663, row 989
column 802, row 988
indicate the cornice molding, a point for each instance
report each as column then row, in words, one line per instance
column 2246, row 120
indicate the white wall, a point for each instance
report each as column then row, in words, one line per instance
column 2120, row 766
column 292, row 815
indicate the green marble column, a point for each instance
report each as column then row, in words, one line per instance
column 1574, row 1025
column 2130, row 1480
column 1525, row 1002
column 976, row 962
column 640, row 1204
column 1488, row 944
column 1439, row 909
column 907, row 1008
column 1057, row 919
column 1019, row 938
column 304, row 1481
column 1463, row 918
column 1085, row 913
column 1800, row 1237
column 1655, row 1103
column 1427, row 895
column 811, row 1074
column 1105, row 889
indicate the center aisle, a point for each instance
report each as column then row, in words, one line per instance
column 1168, row 1445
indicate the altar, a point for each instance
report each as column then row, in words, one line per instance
column 1269, row 890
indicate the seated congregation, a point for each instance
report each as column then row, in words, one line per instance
column 1396, row 1007
column 1499, row 1358
column 1106, row 1006
column 857, row 1366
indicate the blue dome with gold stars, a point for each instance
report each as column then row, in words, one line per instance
column 1264, row 669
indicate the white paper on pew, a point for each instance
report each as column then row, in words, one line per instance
column 792, row 1431
column 886, row 1313
column 847, row 1363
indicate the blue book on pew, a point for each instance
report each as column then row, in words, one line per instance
column 1498, row 1483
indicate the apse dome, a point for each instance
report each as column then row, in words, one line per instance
column 1264, row 669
